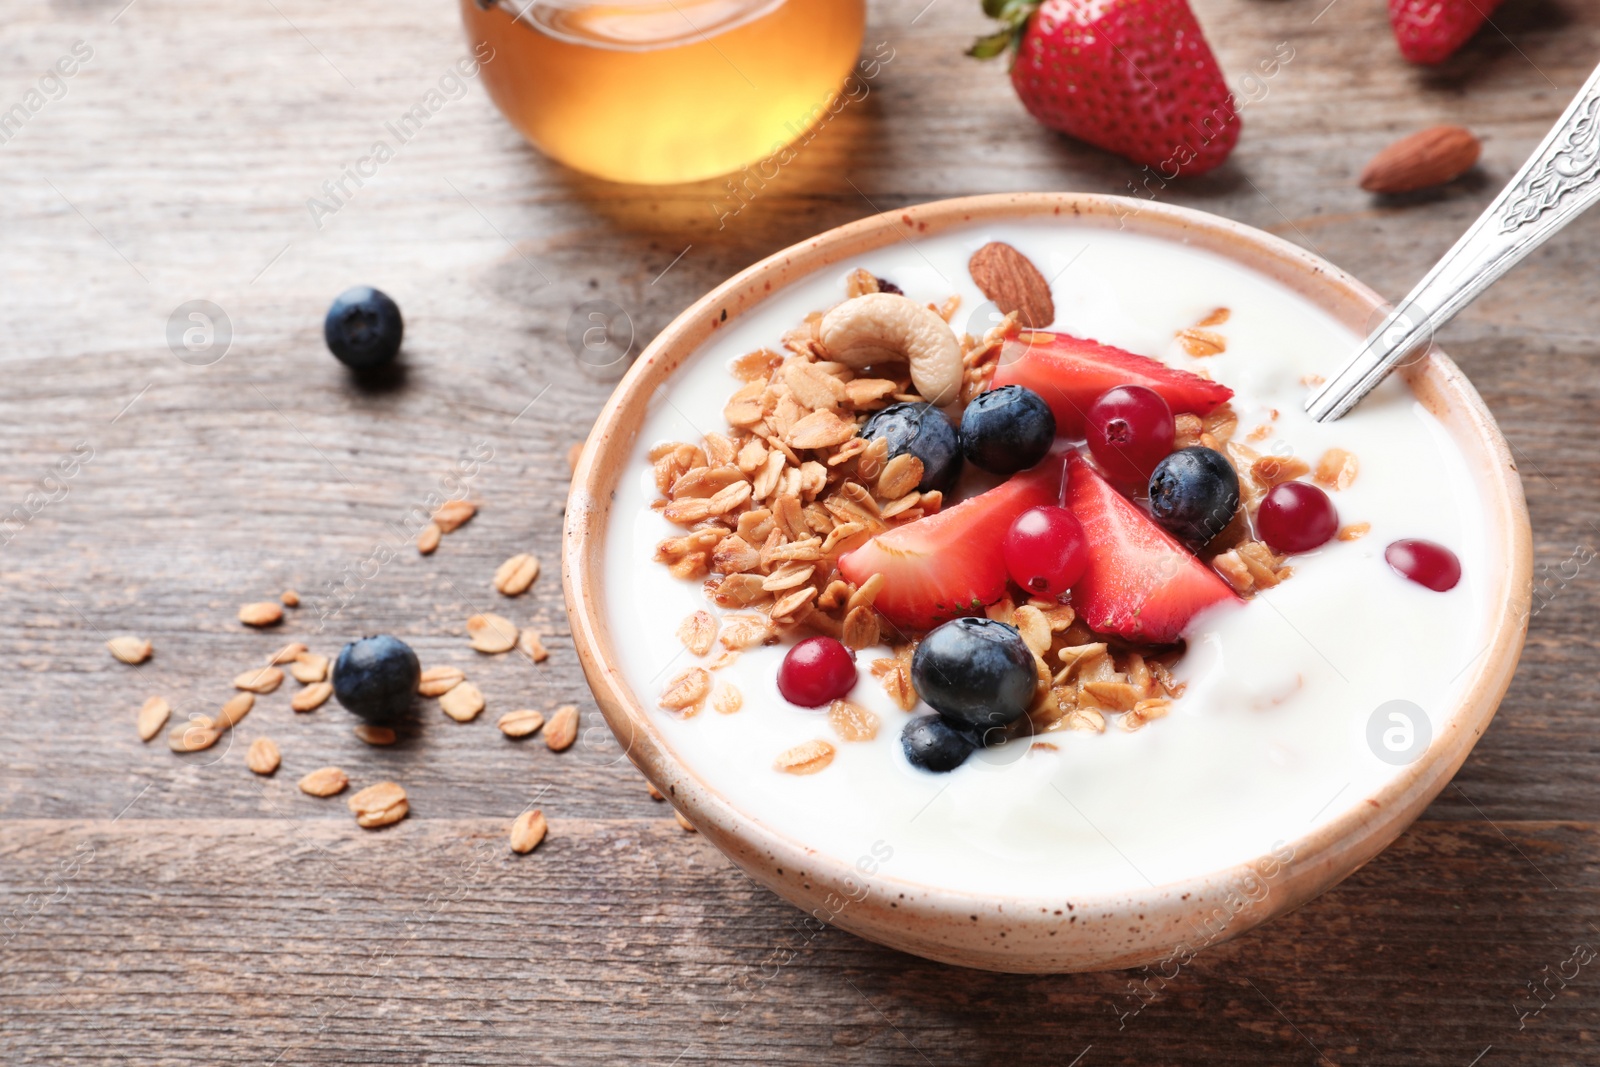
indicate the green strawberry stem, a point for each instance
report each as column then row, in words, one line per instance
column 1014, row 14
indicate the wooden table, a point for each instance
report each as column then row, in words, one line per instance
column 181, row 910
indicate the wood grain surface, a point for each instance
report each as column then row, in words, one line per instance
column 166, row 909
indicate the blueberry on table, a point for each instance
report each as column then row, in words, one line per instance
column 977, row 673
column 934, row 745
column 376, row 678
column 1194, row 493
column 924, row 431
column 1006, row 430
column 363, row 328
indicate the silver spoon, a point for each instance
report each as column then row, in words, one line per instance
column 1556, row 185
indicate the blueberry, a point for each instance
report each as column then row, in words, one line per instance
column 1006, row 430
column 886, row 286
column 363, row 328
column 925, row 432
column 1194, row 493
column 934, row 745
column 376, row 677
column 977, row 673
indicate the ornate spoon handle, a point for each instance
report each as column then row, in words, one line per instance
column 1557, row 183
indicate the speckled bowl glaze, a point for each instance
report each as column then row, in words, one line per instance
column 1016, row 933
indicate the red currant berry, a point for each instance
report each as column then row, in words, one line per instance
column 815, row 671
column 1045, row 550
column 1425, row 563
column 1296, row 517
column 1130, row 430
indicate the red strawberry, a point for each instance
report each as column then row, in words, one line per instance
column 950, row 563
column 1070, row 372
column 1140, row 583
column 1429, row 31
column 1134, row 77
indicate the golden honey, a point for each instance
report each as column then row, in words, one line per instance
column 661, row 91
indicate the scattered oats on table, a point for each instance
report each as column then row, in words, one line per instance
column 527, row 830
column 531, row 646
column 152, row 717
column 259, row 680
column 437, row 681
column 312, row 696
column 517, row 574
column 261, row 613
column 687, row 826
column 453, row 514
column 286, row 654
column 262, row 756
column 129, row 649
column 520, row 723
column 290, row 598
column 375, row 735
column 428, row 539
column 462, row 702
column 194, row 736
column 324, row 782
column 379, row 805
column 308, row 667
column 492, row 634
column 234, row 709
column 562, row 729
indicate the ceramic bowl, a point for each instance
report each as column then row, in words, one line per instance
column 1013, row 933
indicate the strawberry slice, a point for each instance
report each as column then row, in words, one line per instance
column 949, row 563
column 1070, row 372
column 1140, row 583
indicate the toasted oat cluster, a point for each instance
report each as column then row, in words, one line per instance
column 769, row 506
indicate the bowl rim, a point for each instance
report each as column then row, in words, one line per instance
column 1358, row 831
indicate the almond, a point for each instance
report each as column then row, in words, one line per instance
column 1425, row 158
column 1010, row 279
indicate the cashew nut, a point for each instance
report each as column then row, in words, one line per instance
column 885, row 327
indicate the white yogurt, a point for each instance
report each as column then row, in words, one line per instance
column 1271, row 737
